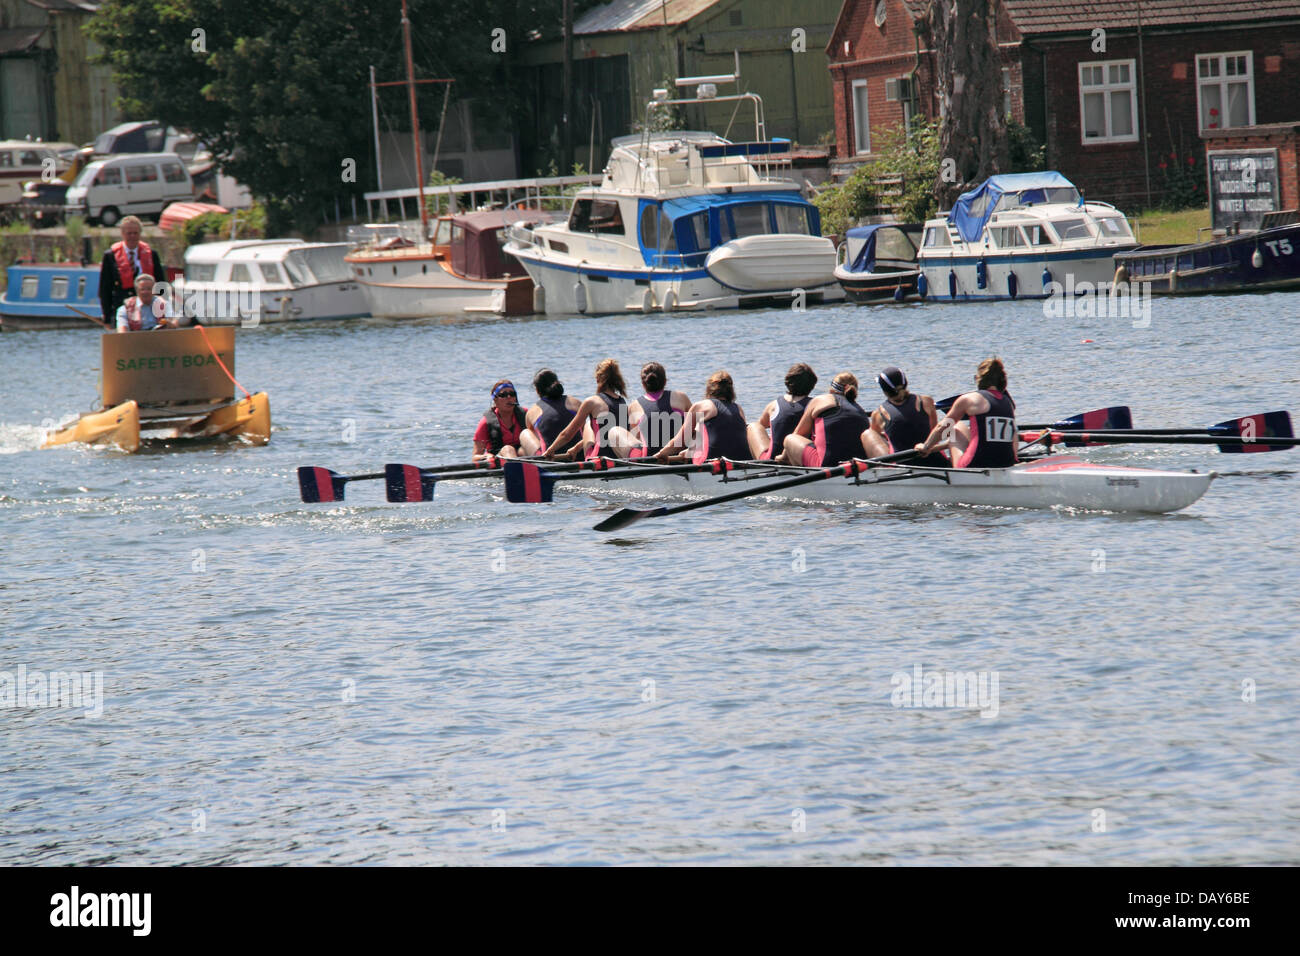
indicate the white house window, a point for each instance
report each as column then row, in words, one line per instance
column 1225, row 90
column 861, row 118
column 1108, row 101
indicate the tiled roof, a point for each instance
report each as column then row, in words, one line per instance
column 1075, row 16
column 639, row 15
column 67, row 6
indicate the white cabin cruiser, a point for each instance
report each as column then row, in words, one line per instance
column 250, row 281
column 1021, row 236
column 683, row 220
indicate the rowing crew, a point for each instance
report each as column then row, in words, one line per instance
column 795, row 429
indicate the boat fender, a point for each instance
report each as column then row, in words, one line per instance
column 952, row 284
column 1047, row 278
column 579, row 296
column 539, row 300
column 670, row 300
column 1121, row 277
column 922, row 286
column 286, row 308
column 499, row 301
column 898, row 293
column 981, row 274
column 1173, row 279
column 1256, row 259
column 647, row 301
column 1011, row 284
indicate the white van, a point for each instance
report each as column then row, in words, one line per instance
column 20, row 161
column 137, row 184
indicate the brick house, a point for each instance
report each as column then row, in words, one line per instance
column 1114, row 109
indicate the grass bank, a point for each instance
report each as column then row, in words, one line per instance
column 1158, row 227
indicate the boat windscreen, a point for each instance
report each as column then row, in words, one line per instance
column 1114, row 227
column 325, row 263
column 1071, row 229
column 894, row 244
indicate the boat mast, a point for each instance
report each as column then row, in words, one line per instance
column 415, row 123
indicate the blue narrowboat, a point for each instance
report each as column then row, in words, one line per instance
column 1266, row 261
column 39, row 294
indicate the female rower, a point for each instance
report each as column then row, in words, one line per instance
column 714, row 426
column 987, row 437
column 502, row 424
column 782, row 415
column 831, row 428
column 901, row 421
column 548, row 417
column 605, row 413
column 657, row 415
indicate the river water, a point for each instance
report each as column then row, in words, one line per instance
column 469, row 681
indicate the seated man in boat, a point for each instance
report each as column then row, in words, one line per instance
column 144, row 310
column 714, row 427
column 981, row 425
column 831, row 429
column 767, row 435
column 502, row 425
column 548, row 417
column 122, row 263
column 902, row 421
column 658, row 414
column 605, row 415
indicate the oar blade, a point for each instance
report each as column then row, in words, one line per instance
column 1115, row 418
column 406, row 483
column 317, row 485
column 626, row 516
column 944, row 404
column 525, row 482
column 1263, row 426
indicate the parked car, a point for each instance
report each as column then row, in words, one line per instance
column 22, row 160
column 139, row 184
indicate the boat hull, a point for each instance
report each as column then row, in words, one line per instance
column 1053, row 482
column 127, row 426
column 1264, row 261
column 1076, row 269
column 119, row 425
column 869, row 288
column 216, row 304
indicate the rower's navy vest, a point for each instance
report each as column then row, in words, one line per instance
column 615, row 416
column 993, row 434
column 906, row 426
column 494, row 442
column 555, row 416
column 659, row 423
column 842, row 427
column 785, row 421
column 726, row 432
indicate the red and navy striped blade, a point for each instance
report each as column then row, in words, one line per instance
column 525, row 482
column 320, row 484
column 1265, row 426
column 406, row 483
column 1099, row 419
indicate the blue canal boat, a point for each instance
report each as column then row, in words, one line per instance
column 1264, row 261
column 39, row 293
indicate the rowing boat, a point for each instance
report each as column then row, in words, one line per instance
column 1058, row 481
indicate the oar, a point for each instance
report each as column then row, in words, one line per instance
column 849, row 469
column 86, row 315
column 1226, row 443
column 408, row 484
column 527, row 482
column 1265, row 424
column 320, row 484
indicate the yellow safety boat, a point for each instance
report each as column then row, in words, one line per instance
column 169, row 384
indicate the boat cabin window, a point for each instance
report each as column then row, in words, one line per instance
column 201, row 271
column 270, row 272
column 596, row 215
column 1007, row 237
column 667, row 235
column 750, row 219
column 298, row 273
column 1039, row 235
column 239, row 273
column 59, row 287
column 1068, row 229
column 649, row 220
column 1114, row 227
column 936, row 237
column 700, row 226
column 81, row 287
column 442, row 233
column 791, row 220
column 894, row 244
column 6, row 159
column 29, row 286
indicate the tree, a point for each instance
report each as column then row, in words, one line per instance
column 973, row 133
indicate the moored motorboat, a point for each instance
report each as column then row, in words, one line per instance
column 165, row 385
column 877, row 263
column 683, row 220
column 1021, row 236
column 1267, row 260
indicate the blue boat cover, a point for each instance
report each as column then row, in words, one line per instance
column 865, row 260
column 972, row 210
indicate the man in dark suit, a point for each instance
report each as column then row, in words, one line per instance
column 124, row 261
